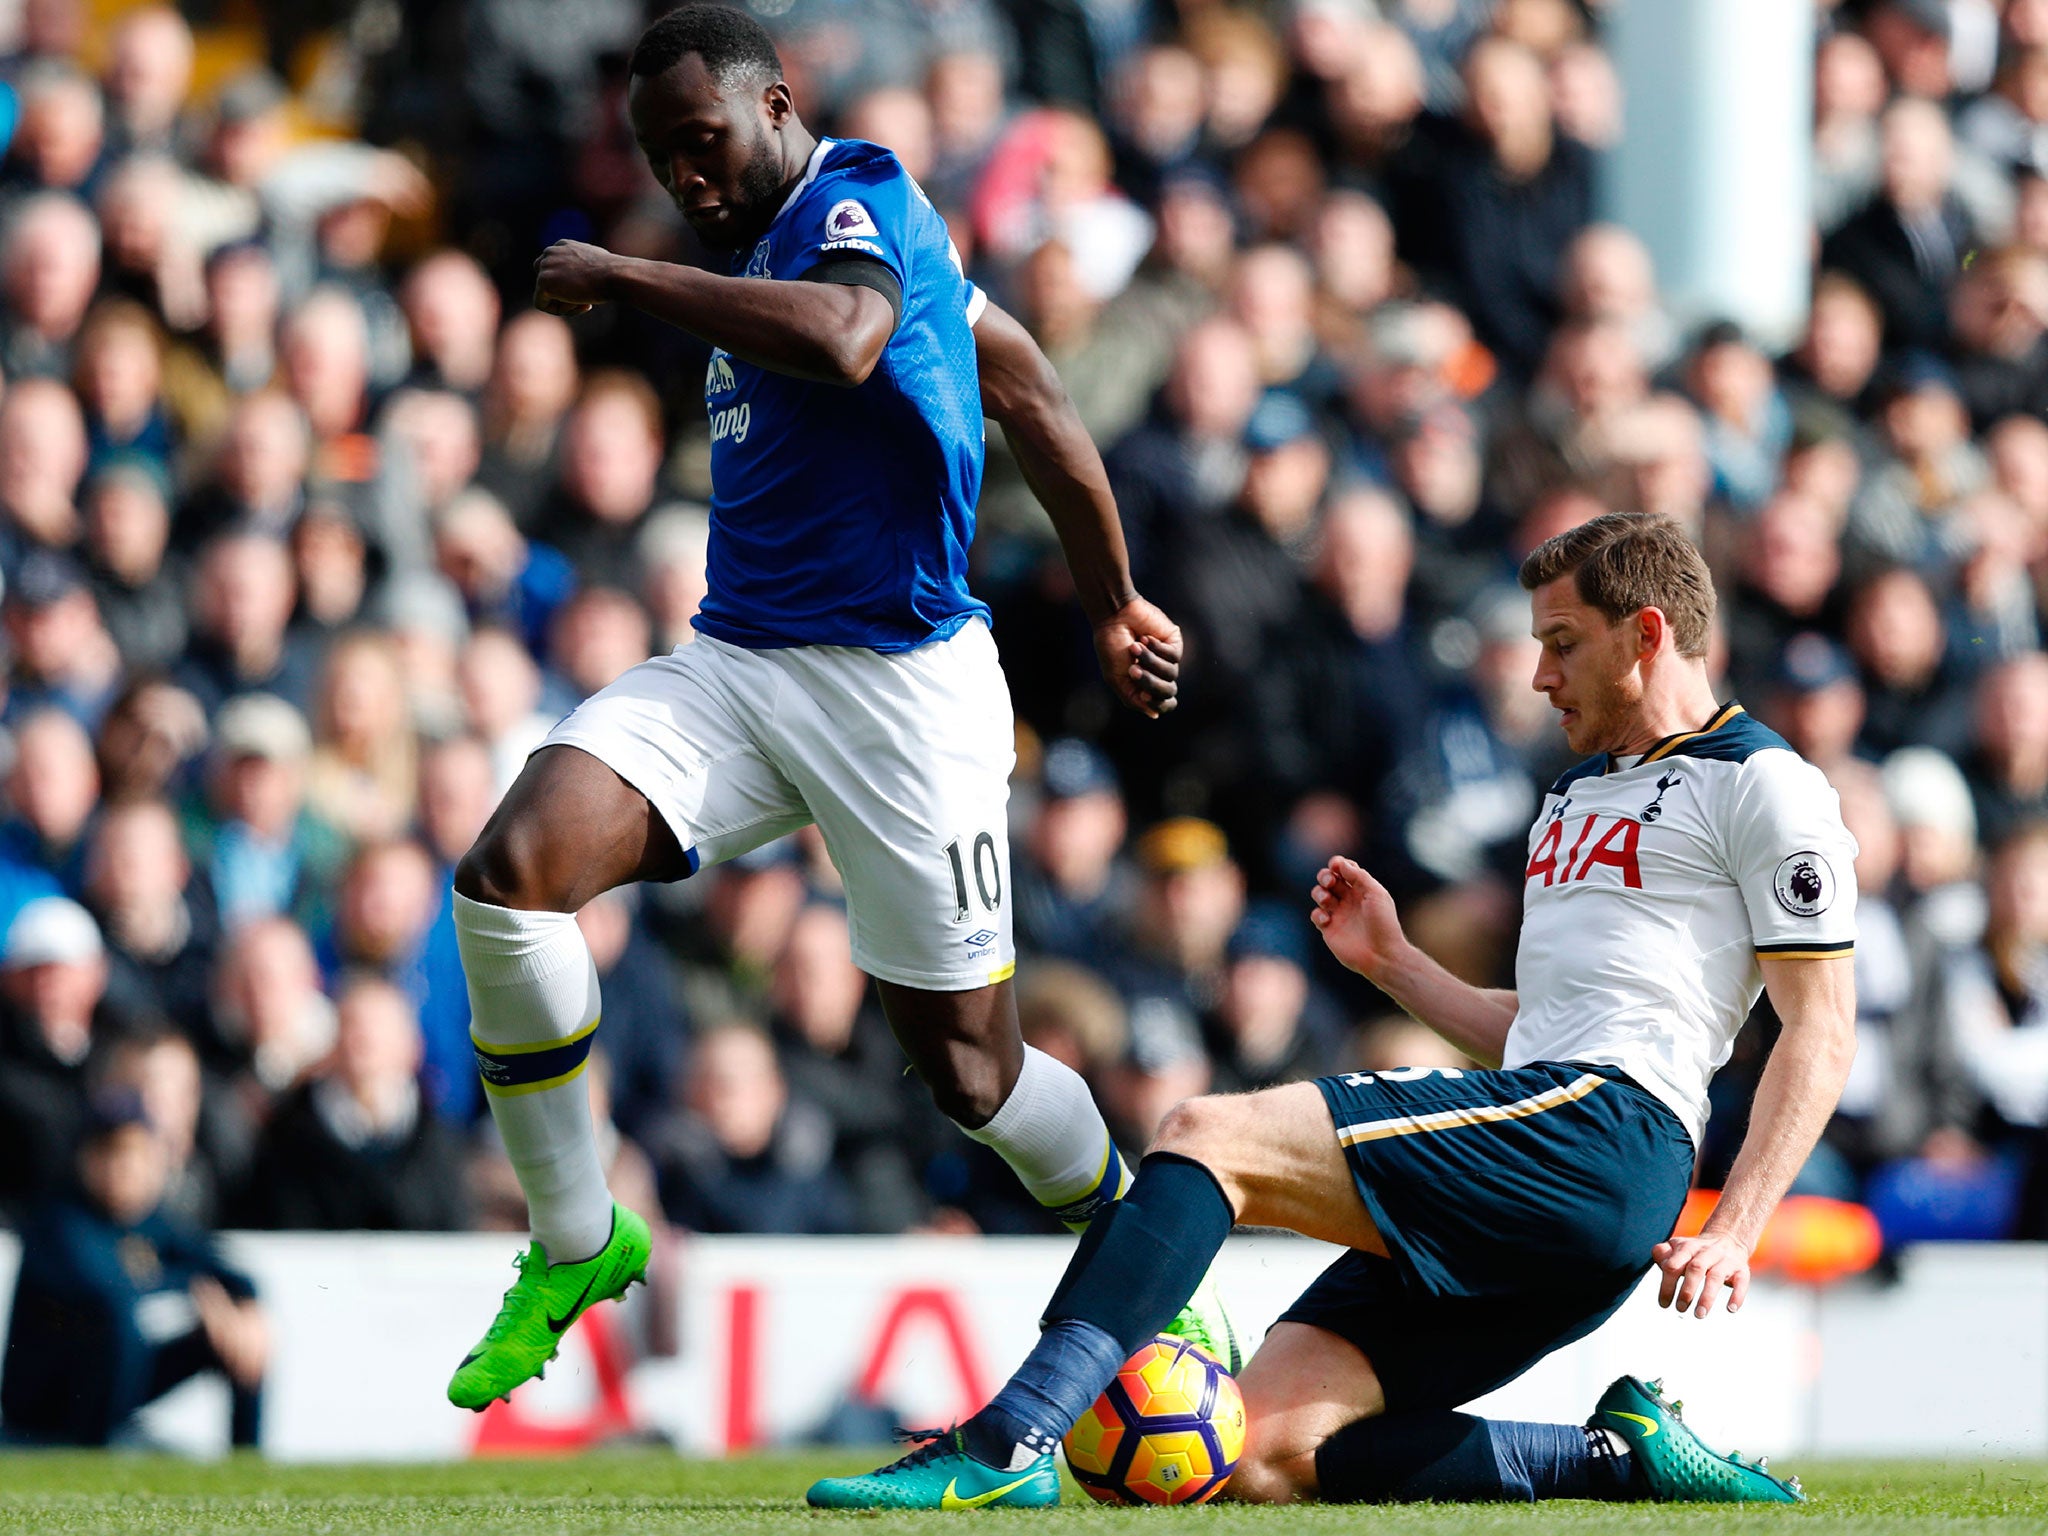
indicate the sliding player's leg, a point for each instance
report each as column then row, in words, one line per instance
column 1318, row 1427
column 1270, row 1159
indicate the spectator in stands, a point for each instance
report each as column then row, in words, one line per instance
column 42, row 460
column 101, row 1271
column 258, row 482
column 507, row 580
column 533, row 383
column 1993, row 995
column 646, row 1021
column 148, row 78
column 63, row 656
column 501, row 694
column 364, row 772
column 241, row 643
column 331, row 565
column 1504, row 181
column 358, row 1149
column 49, row 269
column 742, row 1153
column 451, row 308
column 1906, row 245
column 152, row 736
column 207, row 1138
column 1787, row 583
column 269, row 1015
column 1837, row 358
column 836, row 1051
column 1270, row 1024
column 392, row 920
column 52, row 791
column 156, row 912
column 1071, row 885
column 1816, row 701
column 611, row 457
column 1189, row 903
column 1915, row 691
column 53, row 1011
column 2008, row 763
column 675, row 546
column 138, row 584
column 264, row 853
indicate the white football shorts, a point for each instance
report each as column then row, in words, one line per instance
column 903, row 760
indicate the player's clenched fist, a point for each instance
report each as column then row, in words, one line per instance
column 1139, row 649
column 1356, row 916
column 570, row 276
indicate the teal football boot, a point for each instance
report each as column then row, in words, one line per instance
column 1672, row 1464
column 941, row 1475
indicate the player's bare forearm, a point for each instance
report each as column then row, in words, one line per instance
column 1802, row 1082
column 1021, row 392
column 833, row 333
column 1356, row 917
column 1816, row 1002
column 1138, row 646
column 1474, row 1019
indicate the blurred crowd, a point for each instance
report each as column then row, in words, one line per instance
column 310, row 528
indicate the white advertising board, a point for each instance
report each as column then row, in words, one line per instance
column 775, row 1332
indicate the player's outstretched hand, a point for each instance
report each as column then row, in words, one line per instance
column 1138, row 647
column 569, row 277
column 1697, row 1269
column 1356, row 916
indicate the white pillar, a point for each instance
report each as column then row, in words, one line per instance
column 1714, row 167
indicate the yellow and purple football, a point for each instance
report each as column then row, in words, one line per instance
column 1168, row 1430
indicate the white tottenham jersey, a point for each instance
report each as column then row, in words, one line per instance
column 1652, row 889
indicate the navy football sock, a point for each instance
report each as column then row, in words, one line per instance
column 1457, row 1458
column 1133, row 1270
column 1066, row 1371
column 1141, row 1259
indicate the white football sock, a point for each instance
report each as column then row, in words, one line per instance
column 1050, row 1132
column 533, row 1003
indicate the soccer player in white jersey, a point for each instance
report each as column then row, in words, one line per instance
column 843, row 673
column 1692, row 860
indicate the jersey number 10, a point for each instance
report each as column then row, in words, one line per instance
column 988, row 875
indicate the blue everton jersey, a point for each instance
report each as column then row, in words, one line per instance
column 842, row 516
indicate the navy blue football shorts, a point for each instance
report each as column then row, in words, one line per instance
column 1519, row 1208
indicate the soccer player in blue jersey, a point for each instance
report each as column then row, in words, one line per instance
column 843, row 674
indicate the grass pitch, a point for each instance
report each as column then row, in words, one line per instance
column 651, row 1495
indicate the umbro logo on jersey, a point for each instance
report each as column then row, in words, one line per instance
column 1804, row 883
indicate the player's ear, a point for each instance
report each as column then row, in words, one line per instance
column 1652, row 629
column 777, row 102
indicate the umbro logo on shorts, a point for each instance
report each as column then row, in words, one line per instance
column 979, row 937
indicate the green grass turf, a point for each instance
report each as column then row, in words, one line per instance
column 649, row 1495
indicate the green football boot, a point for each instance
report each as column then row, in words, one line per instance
column 543, row 1302
column 1672, row 1464
column 941, row 1475
column 1205, row 1323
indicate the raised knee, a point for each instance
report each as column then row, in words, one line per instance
column 503, row 868
column 1191, row 1128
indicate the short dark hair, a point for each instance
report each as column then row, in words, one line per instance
column 735, row 48
column 1624, row 562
